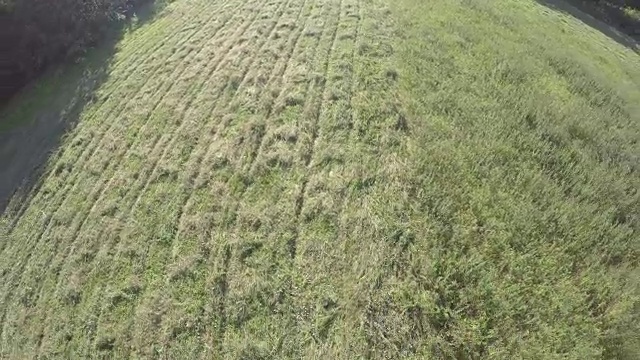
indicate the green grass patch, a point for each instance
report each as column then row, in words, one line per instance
column 526, row 166
column 338, row 179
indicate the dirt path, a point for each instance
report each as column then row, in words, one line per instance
column 23, row 151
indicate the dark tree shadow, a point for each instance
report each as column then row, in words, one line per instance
column 604, row 16
column 34, row 122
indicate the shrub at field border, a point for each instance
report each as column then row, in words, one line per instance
column 35, row 34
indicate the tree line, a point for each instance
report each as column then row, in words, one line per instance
column 35, row 34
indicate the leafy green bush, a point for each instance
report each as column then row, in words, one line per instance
column 37, row 33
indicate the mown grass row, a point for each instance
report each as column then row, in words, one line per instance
column 90, row 183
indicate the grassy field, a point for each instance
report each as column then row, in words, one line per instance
column 337, row 179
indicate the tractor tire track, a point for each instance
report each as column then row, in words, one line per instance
column 46, row 228
column 91, row 117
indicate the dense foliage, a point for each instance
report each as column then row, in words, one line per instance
column 623, row 14
column 37, row 33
